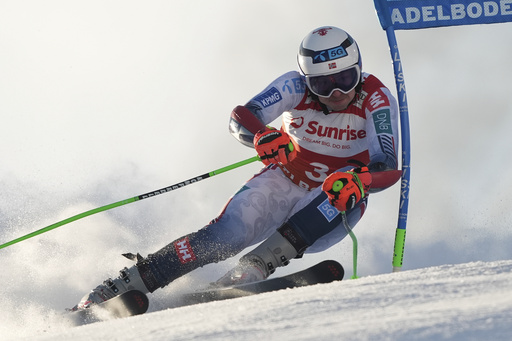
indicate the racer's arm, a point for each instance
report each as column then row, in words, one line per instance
column 282, row 94
column 382, row 127
column 273, row 146
column 243, row 125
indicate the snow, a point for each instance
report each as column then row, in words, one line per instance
column 470, row 301
column 105, row 100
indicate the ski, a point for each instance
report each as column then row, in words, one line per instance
column 324, row 272
column 129, row 303
column 134, row 302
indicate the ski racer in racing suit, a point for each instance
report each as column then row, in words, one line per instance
column 337, row 143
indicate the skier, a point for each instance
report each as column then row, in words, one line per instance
column 339, row 135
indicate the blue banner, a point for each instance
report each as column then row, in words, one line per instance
column 415, row 14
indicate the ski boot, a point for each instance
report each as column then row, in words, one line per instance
column 249, row 269
column 129, row 279
column 261, row 262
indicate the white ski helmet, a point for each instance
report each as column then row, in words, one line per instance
column 329, row 59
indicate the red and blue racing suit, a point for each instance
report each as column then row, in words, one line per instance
column 364, row 133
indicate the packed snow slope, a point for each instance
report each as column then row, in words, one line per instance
column 471, row 301
column 105, row 100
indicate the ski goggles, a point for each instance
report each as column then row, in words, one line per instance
column 344, row 81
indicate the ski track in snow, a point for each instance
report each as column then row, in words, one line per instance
column 471, row 301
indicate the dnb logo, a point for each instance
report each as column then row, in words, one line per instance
column 184, row 251
column 382, row 121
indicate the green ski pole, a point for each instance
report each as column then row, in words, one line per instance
column 354, row 245
column 130, row 200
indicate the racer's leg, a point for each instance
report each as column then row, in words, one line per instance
column 314, row 223
column 250, row 216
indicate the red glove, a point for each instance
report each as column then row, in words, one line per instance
column 274, row 146
column 345, row 189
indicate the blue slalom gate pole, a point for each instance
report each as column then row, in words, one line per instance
column 398, row 253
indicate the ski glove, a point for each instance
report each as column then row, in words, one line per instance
column 274, row 146
column 345, row 189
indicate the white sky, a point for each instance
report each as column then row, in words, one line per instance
column 105, row 100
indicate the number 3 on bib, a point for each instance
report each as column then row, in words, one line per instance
column 319, row 172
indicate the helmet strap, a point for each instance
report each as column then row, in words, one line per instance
column 324, row 108
column 314, row 97
column 359, row 88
